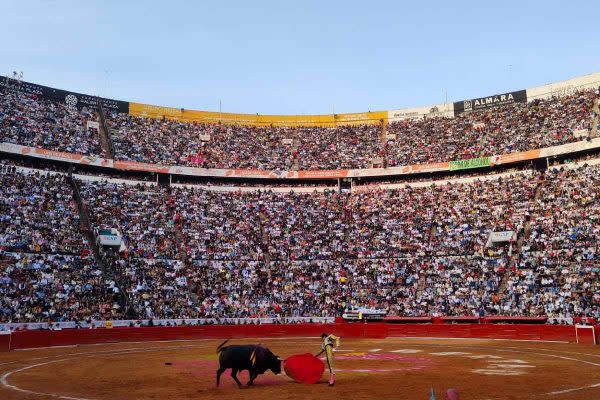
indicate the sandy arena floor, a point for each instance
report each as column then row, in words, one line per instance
column 367, row 369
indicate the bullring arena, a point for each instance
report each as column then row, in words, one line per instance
column 367, row 367
column 449, row 251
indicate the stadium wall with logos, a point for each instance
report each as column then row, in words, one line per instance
column 73, row 99
column 481, row 162
column 180, row 114
column 446, row 110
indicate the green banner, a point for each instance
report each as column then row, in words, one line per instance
column 470, row 163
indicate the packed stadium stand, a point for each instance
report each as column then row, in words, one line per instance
column 506, row 129
column 516, row 243
column 32, row 121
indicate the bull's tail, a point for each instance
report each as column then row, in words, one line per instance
column 220, row 348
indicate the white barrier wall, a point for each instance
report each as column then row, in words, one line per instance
column 564, row 88
column 436, row 110
column 561, row 88
column 18, row 326
column 499, row 159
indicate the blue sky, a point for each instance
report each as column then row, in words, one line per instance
column 280, row 57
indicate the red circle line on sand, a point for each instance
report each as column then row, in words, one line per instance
column 200, row 367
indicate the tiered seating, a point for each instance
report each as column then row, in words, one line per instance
column 467, row 213
column 38, row 214
column 168, row 142
column 392, row 223
column 558, row 271
column 463, row 285
column 54, row 287
column 507, row 129
column 142, row 214
column 511, row 128
column 31, row 121
column 219, row 226
column 344, row 147
column 414, row 251
column 191, row 252
column 47, row 272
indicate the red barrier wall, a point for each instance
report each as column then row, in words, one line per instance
column 45, row 338
column 5, row 342
column 490, row 331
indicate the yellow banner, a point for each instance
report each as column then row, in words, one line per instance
column 180, row 114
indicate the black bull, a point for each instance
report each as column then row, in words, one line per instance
column 256, row 359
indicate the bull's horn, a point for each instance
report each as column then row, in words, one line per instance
column 279, row 358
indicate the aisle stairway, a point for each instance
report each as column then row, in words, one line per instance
column 595, row 119
column 295, row 160
column 177, row 232
column 86, row 227
column 421, row 285
column 383, row 139
column 521, row 238
column 84, row 221
column 422, row 276
column 108, row 147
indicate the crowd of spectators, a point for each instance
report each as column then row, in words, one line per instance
column 38, row 214
column 560, row 283
column 566, row 213
column 342, row 147
column 47, row 270
column 505, row 129
column 462, row 285
column 218, row 225
column 29, row 120
column 558, row 273
column 413, row 251
column 510, row 128
column 468, row 213
column 193, row 253
column 170, row 142
column 55, row 288
column 141, row 212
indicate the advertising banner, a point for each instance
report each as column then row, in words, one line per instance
column 483, row 103
column 181, row 114
column 93, row 125
column 72, row 99
column 516, row 157
column 504, row 236
column 109, row 237
column 437, row 110
column 470, row 163
column 136, row 166
column 303, row 174
column 55, row 155
column 565, row 88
